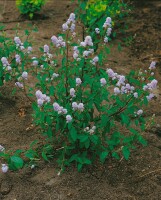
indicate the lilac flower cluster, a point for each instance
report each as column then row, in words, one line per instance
column 103, row 81
column 72, row 92
column 46, row 48
column 47, row 54
column 76, row 53
column 59, row 108
column 4, row 168
column 18, row 84
column 41, row 98
column 95, row 60
column 18, row 59
column 79, row 106
column 152, row 65
column 35, row 62
column 29, row 49
column 18, row 43
column 151, row 86
column 24, row 75
column 86, row 53
column 97, row 30
column 78, row 81
column 6, row 64
column 107, row 22
column 70, row 23
column 150, row 96
column 107, row 25
column 87, row 42
column 139, row 112
column 68, row 118
column 122, row 87
column 58, row 41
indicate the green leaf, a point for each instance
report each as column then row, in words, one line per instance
column 125, row 119
column 83, row 138
column 115, row 155
column 51, row 90
column 26, row 32
column 79, row 167
column 94, row 139
column 142, row 140
column 103, row 156
column 44, row 156
column 17, row 161
column 126, row 152
column 73, row 133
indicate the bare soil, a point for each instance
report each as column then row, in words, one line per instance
column 139, row 178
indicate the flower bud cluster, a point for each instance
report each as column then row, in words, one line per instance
column 79, row 106
column 4, row 168
column 97, row 30
column 58, row 41
column 86, row 53
column 41, row 98
column 24, row 75
column 103, row 81
column 18, row 59
column 19, row 43
column 70, row 23
column 87, row 42
column 107, row 22
column 76, row 53
column 90, row 131
column 59, row 108
column 68, row 118
column 54, row 75
column 107, row 25
column 18, row 84
column 95, row 60
column 72, row 92
column 35, row 62
column 29, row 49
column 152, row 65
column 122, row 87
column 150, row 96
column 139, row 112
column 151, row 86
column 6, row 64
column 78, row 81
column 46, row 48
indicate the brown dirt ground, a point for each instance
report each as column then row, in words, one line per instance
column 139, row 178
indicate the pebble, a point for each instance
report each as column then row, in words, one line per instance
column 5, row 187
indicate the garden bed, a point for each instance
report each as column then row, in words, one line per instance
column 138, row 178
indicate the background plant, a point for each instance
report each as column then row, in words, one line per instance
column 85, row 112
column 92, row 13
column 30, row 7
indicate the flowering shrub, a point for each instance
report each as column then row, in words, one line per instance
column 84, row 111
column 29, row 7
column 15, row 57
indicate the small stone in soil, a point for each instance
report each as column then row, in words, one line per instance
column 5, row 187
